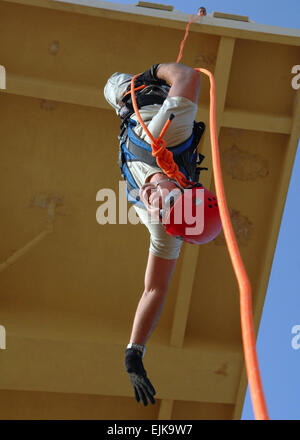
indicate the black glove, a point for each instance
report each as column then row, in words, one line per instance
column 149, row 77
column 143, row 388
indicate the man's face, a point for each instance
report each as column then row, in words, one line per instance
column 154, row 196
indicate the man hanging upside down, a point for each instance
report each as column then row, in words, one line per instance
column 161, row 91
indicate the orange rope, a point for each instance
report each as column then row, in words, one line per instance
column 248, row 335
column 135, row 90
column 185, row 36
column 164, row 157
column 165, row 161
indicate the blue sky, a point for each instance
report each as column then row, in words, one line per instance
column 279, row 361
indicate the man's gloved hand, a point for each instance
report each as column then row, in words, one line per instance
column 149, row 77
column 143, row 388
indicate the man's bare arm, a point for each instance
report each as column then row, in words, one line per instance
column 184, row 80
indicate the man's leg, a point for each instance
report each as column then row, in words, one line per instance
column 157, row 278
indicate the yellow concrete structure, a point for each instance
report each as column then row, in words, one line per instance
column 70, row 286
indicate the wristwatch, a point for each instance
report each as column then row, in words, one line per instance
column 140, row 348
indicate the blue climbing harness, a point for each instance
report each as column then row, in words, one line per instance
column 133, row 148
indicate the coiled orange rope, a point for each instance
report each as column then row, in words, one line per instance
column 166, row 163
column 164, row 157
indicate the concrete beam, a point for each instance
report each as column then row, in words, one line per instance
column 56, row 91
column 97, row 368
column 172, row 20
column 80, row 94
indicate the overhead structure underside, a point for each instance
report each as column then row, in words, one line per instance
column 70, row 286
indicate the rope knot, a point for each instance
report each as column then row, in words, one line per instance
column 158, row 146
